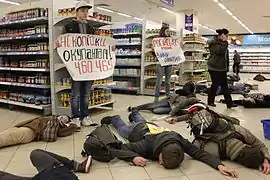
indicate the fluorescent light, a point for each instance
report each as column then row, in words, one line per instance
column 229, row 12
column 216, row 1
column 139, row 19
column 122, row 14
column 234, row 17
column 104, row 9
column 222, row 6
column 167, row 10
column 9, row 2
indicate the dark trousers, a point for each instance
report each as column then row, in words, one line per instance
column 219, row 78
column 236, row 68
column 160, row 107
column 41, row 160
column 124, row 129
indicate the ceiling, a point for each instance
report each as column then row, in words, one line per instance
column 250, row 12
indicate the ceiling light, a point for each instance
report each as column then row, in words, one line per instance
column 205, row 27
column 122, row 14
column 167, row 10
column 9, row 2
column 139, row 19
column 232, row 15
column 104, row 9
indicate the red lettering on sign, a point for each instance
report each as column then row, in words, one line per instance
column 98, row 65
column 105, row 65
column 77, row 66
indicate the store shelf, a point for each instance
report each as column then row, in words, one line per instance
column 193, row 70
column 149, row 77
column 23, row 53
column 33, row 106
column 195, row 50
column 26, row 85
column 125, row 88
column 150, row 63
column 195, row 42
column 195, row 60
column 129, row 65
column 24, row 69
column 128, row 55
column 202, row 81
column 99, row 106
column 127, row 34
column 129, row 44
column 25, row 37
column 63, row 88
column 127, row 75
column 31, row 21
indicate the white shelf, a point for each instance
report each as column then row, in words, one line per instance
column 127, row 75
column 191, row 70
column 128, row 55
column 194, row 50
column 198, row 42
column 127, row 34
column 25, row 85
column 129, row 44
column 33, row 106
column 25, row 37
column 195, row 61
column 25, row 21
column 23, row 53
column 150, row 63
column 24, row 69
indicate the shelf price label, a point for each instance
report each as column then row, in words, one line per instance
column 168, row 51
column 87, row 57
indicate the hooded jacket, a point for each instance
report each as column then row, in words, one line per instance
column 219, row 56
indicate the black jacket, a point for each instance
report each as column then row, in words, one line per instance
column 73, row 27
column 151, row 147
column 219, row 55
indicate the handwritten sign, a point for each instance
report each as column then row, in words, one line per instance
column 168, row 51
column 87, row 57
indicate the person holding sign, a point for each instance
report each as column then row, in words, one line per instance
column 218, row 66
column 167, row 70
column 80, row 89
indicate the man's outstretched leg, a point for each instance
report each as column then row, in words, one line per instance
column 43, row 159
column 136, row 117
column 151, row 106
column 119, row 124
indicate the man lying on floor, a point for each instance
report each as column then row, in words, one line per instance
column 150, row 141
column 223, row 137
column 51, row 166
column 33, row 130
column 255, row 100
column 173, row 105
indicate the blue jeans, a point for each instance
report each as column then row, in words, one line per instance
column 124, row 129
column 167, row 70
column 79, row 98
column 160, row 107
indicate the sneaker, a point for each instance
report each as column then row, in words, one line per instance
column 77, row 122
column 107, row 120
column 84, row 167
column 88, row 122
column 212, row 104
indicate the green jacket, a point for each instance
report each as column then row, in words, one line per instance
column 219, row 56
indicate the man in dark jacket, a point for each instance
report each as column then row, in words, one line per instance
column 52, row 167
column 236, row 62
column 148, row 140
column 80, row 89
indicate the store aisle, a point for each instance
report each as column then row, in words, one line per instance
column 16, row 159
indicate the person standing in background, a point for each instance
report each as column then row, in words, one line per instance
column 236, row 63
column 80, row 89
column 167, row 70
column 218, row 66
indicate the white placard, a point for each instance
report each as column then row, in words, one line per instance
column 87, row 57
column 168, row 51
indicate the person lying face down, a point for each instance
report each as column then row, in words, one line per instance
column 150, row 141
column 223, row 137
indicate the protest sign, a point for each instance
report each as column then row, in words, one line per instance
column 168, row 51
column 87, row 57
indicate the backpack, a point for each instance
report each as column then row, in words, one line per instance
column 207, row 125
column 49, row 134
column 101, row 144
column 260, row 78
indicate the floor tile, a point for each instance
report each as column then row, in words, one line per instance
column 33, row 145
column 5, row 158
column 21, row 155
column 208, row 176
column 21, row 168
column 195, row 167
column 130, row 173
column 98, row 174
column 246, row 174
column 173, row 178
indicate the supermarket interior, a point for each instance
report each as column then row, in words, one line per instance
column 39, row 86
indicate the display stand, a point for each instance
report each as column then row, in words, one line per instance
column 24, row 59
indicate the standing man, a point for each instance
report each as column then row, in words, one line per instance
column 236, row 62
column 80, row 89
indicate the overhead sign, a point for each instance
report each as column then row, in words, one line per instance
column 168, row 51
column 168, row 2
column 189, row 22
column 87, row 57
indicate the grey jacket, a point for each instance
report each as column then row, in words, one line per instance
column 219, row 56
column 179, row 103
column 234, row 146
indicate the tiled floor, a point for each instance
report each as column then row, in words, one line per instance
column 16, row 159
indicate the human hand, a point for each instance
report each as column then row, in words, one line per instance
column 139, row 161
column 170, row 120
column 227, row 171
column 265, row 168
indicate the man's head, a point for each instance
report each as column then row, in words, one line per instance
column 82, row 9
column 235, row 52
column 250, row 157
column 171, row 156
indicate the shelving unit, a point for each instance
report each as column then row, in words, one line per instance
column 195, row 67
column 59, row 71
column 24, row 61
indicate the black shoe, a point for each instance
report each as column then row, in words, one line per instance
column 212, row 104
column 130, row 109
column 108, row 120
column 231, row 106
column 129, row 117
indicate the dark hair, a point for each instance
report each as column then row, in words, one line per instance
column 162, row 31
column 222, row 31
column 250, row 157
column 172, row 156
